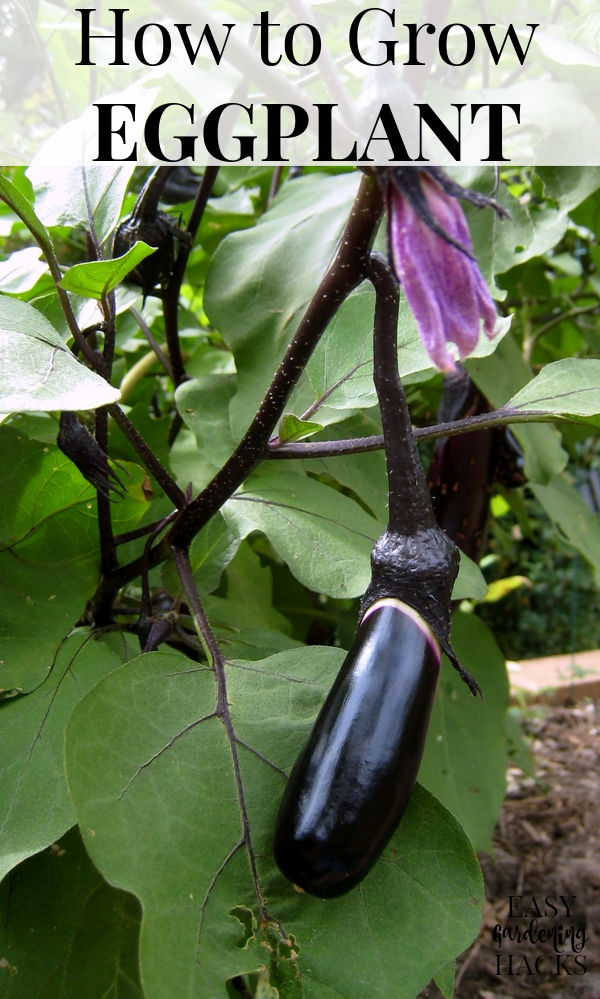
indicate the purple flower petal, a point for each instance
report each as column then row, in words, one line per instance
column 444, row 287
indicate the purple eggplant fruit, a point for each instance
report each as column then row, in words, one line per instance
column 352, row 781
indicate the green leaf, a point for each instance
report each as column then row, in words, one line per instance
column 260, row 280
column 464, row 762
column 578, row 523
column 21, row 271
column 324, row 537
column 499, row 245
column 35, row 808
column 364, row 474
column 96, row 278
column 292, row 429
column 159, row 812
column 69, row 195
column 85, row 932
column 203, row 404
column 499, row 588
column 228, row 213
column 340, row 371
column 37, row 370
column 250, row 590
column 445, row 979
column 470, row 583
column 211, row 552
column 49, row 561
column 24, row 209
column 499, row 377
column 569, row 186
column 570, row 387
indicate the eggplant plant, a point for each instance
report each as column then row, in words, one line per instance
column 214, row 434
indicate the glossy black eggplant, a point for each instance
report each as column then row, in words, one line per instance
column 352, row 781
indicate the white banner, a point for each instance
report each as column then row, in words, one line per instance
column 436, row 81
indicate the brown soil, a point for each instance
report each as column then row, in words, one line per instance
column 546, row 843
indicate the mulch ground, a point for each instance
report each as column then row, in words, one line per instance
column 546, row 845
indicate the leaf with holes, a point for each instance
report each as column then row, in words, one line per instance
column 152, row 771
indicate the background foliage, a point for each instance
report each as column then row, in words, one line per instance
column 125, row 869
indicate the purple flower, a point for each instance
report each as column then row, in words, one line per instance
column 431, row 253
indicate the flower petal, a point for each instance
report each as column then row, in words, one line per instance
column 444, row 286
column 411, row 243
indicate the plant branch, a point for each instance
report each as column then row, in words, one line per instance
column 574, row 313
column 409, row 503
column 349, row 267
column 108, row 549
column 156, row 347
column 217, row 661
column 347, row 270
column 413, row 560
column 173, row 289
column 150, row 460
column 356, row 445
column 24, row 210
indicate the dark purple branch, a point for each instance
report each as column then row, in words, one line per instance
column 348, row 269
column 413, row 560
column 108, row 548
column 357, row 445
column 173, row 289
column 150, row 460
column 409, row 502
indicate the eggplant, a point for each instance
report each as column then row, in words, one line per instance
column 353, row 779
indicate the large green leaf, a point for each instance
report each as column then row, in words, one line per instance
column 68, row 196
column 530, row 232
column 49, row 558
column 49, row 563
column 35, row 808
column 464, row 763
column 151, row 778
column 203, row 404
column 21, row 271
column 577, row 522
column 85, row 932
column 364, row 474
column 37, row 370
column 570, row 387
column 340, row 371
column 260, row 280
column 324, row 537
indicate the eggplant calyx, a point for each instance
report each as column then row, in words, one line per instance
column 419, row 569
